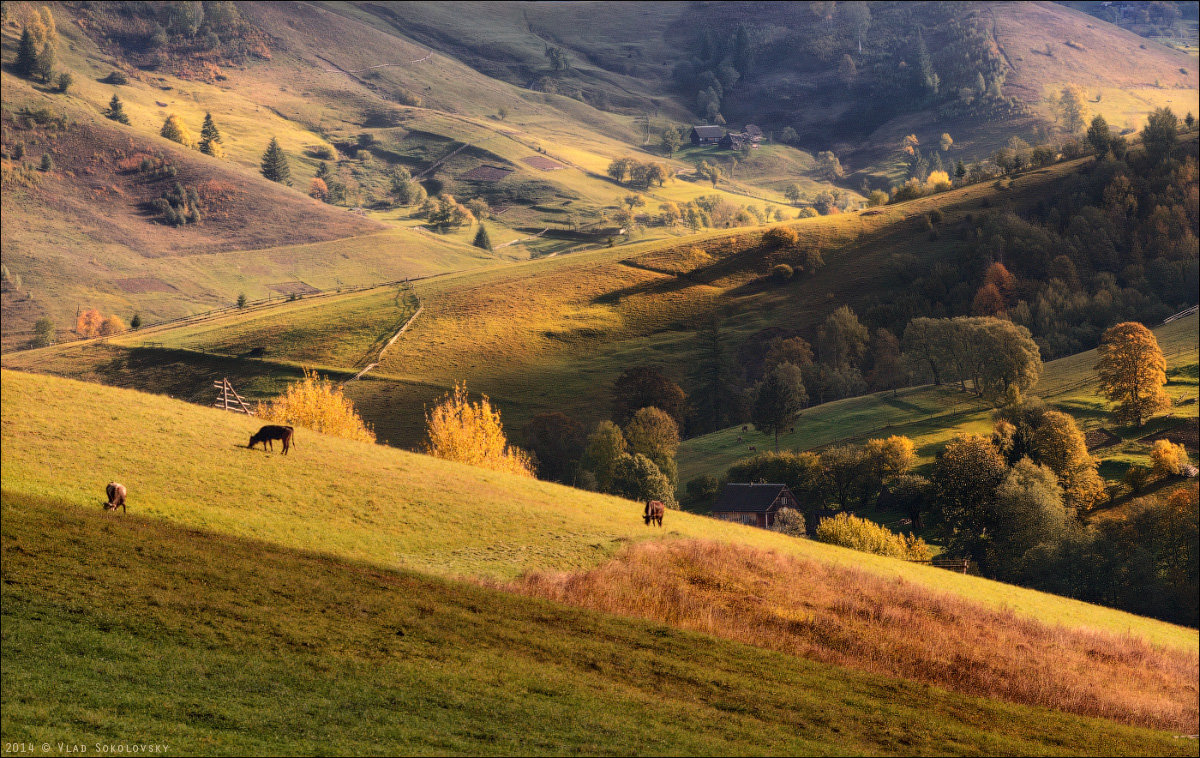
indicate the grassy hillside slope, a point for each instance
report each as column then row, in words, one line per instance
column 931, row 415
column 553, row 334
column 188, row 465
column 133, row 630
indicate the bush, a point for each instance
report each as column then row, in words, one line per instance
column 807, row 213
column 317, row 404
column 703, row 487
column 1168, row 458
column 780, row 237
column 323, row 152
column 781, row 272
column 116, row 77
column 869, row 537
column 471, row 433
column 789, row 521
column 47, row 163
column 64, row 81
column 111, row 325
column 877, row 198
column 1137, row 477
column 43, row 333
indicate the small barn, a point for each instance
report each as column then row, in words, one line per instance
column 732, row 141
column 753, row 504
column 707, row 134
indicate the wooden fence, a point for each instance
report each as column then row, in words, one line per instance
column 229, row 399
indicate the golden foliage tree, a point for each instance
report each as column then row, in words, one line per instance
column 174, row 130
column 317, row 404
column 87, row 324
column 1168, row 458
column 111, row 325
column 1132, row 372
column 459, row 430
column 1059, row 444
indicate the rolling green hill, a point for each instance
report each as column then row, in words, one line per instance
column 188, row 465
column 140, row 631
column 316, row 574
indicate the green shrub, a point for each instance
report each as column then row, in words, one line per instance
column 1137, row 477
column 869, row 537
column 703, row 487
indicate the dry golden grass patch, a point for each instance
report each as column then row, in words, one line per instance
column 845, row 616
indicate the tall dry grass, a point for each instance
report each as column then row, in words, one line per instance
column 850, row 618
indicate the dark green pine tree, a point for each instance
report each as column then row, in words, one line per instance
column 27, row 55
column 209, row 134
column 482, row 240
column 116, row 110
column 275, row 164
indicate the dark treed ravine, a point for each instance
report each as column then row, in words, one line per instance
column 523, row 378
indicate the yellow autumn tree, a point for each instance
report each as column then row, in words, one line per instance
column 174, row 130
column 1132, row 372
column 111, row 325
column 318, row 404
column 460, row 430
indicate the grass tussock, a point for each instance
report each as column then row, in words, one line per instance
column 847, row 617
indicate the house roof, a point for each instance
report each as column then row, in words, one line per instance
column 748, row 498
column 709, row 131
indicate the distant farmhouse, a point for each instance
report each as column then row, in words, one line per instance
column 751, row 136
column 753, row 504
column 707, row 135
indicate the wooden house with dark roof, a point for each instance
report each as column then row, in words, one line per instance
column 753, row 504
column 707, row 134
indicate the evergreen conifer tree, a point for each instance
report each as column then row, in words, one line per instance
column 275, row 164
column 210, row 136
column 27, row 54
column 482, row 240
column 116, row 110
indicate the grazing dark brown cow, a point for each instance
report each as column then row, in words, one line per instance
column 654, row 512
column 116, row 497
column 272, row 432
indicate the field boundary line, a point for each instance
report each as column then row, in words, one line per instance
column 396, row 336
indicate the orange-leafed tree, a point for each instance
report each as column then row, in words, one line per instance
column 111, row 325
column 988, row 301
column 87, row 324
column 1003, row 280
column 466, row 432
column 1132, row 372
column 318, row 404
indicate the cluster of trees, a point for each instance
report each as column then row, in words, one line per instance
column 995, row 355
column 633, row 173
column 1115, row 241
column 35, row 50
column 406, row 190
column 175, row 130
column 179, row 33
column 717, row 62
column 444, row 212
column 836, row 480
column 631, row 455
column 179, row 205
column 329, row 187
column 93, row 323
column 1020, row 520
